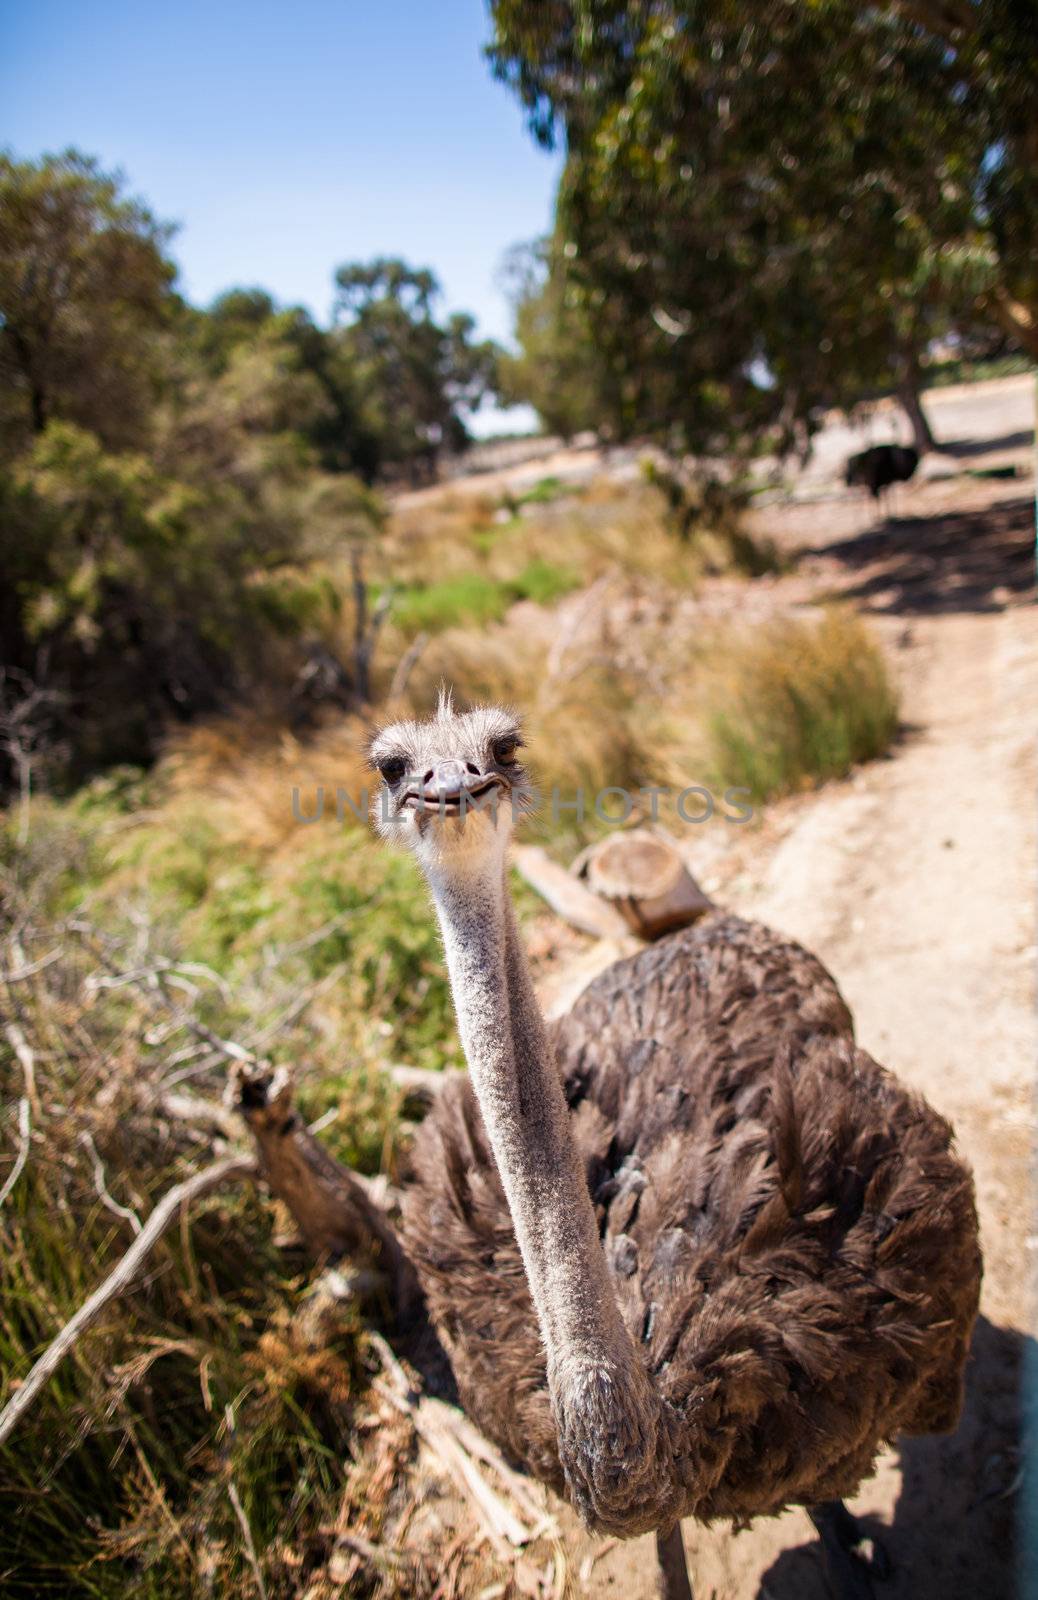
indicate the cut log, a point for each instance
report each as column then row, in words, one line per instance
column 567, row 896
column 641, row 875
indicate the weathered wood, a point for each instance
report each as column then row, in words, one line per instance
column 332, row 1209
column 641, row 875
column 567, row 896
column 419, row 1083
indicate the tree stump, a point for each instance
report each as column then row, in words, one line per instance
column 641, row 874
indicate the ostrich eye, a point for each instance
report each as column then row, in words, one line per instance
column 504, row 750
column 392, row 769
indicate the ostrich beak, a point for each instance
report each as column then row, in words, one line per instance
column 451, row 788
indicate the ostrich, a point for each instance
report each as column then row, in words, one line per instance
column 690, row 1252
column 880, row 466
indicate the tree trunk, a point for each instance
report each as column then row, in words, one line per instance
column 361, row 650
column 908, row 395
column 1016, row 319
column 39, row 409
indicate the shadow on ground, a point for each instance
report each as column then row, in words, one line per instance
column 963, row 448
column 953, row 1534
column 978, row 560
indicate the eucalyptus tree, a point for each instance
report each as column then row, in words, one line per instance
column 767, row 211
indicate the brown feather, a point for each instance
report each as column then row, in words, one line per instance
column 792, row 1237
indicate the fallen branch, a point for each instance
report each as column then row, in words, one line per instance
column 104, row 1194
column 119, row 1279
column 419, row 1083
column 567, row 896
column 587, row 1566
column 376, row 1555
column 26, row 1060
column 333, row 1209
column 28, row 1102
column 19, row 974
column 406, row 665
column 23, row 1149
column 458, row 1445
column 205, row 1113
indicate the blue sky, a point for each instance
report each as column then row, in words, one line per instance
column 286, row 138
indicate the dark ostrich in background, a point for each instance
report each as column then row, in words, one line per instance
column 882, row 465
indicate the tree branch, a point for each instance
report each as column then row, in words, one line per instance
column 332, row 1208
column 23, row 1149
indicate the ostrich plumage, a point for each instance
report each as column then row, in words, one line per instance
column 689, row 1250
column 790, row 1234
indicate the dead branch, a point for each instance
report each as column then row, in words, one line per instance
column 458, row 1445
column 24, row 1131
column 567, row 896
column 205, row 1113
column 19, row 974
column 119, row 1279
column 406, row 665
column 105, row 1196
column 499, row 1524
column 587, row 1566
column 28, row 1103
column 26, row 1060
column 334, row 1212
column 419, row 1083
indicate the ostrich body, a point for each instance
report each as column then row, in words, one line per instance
column 880, row 466
column 690, row 1251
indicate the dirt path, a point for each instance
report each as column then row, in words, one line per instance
column 989, row 419
column 914, row 882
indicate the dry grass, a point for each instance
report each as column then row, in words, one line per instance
column 795, row 704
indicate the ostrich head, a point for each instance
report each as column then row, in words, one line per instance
column 451, row 786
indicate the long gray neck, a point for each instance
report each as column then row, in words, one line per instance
column 602, row 1397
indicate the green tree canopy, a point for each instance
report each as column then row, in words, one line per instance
column 557, row 370
column 85, row 287
column 417, row 377
column 181, row 514
column 768, row 212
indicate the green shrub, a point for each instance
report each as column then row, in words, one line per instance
column 469, row 597
column 544, row 583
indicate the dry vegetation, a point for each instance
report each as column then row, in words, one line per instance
column 152, row 917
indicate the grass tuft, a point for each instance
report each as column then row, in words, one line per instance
column 797, row 704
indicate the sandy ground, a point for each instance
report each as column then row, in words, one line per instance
column 914, row 882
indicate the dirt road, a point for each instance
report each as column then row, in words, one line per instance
column 992, row 419
column 914, row 882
